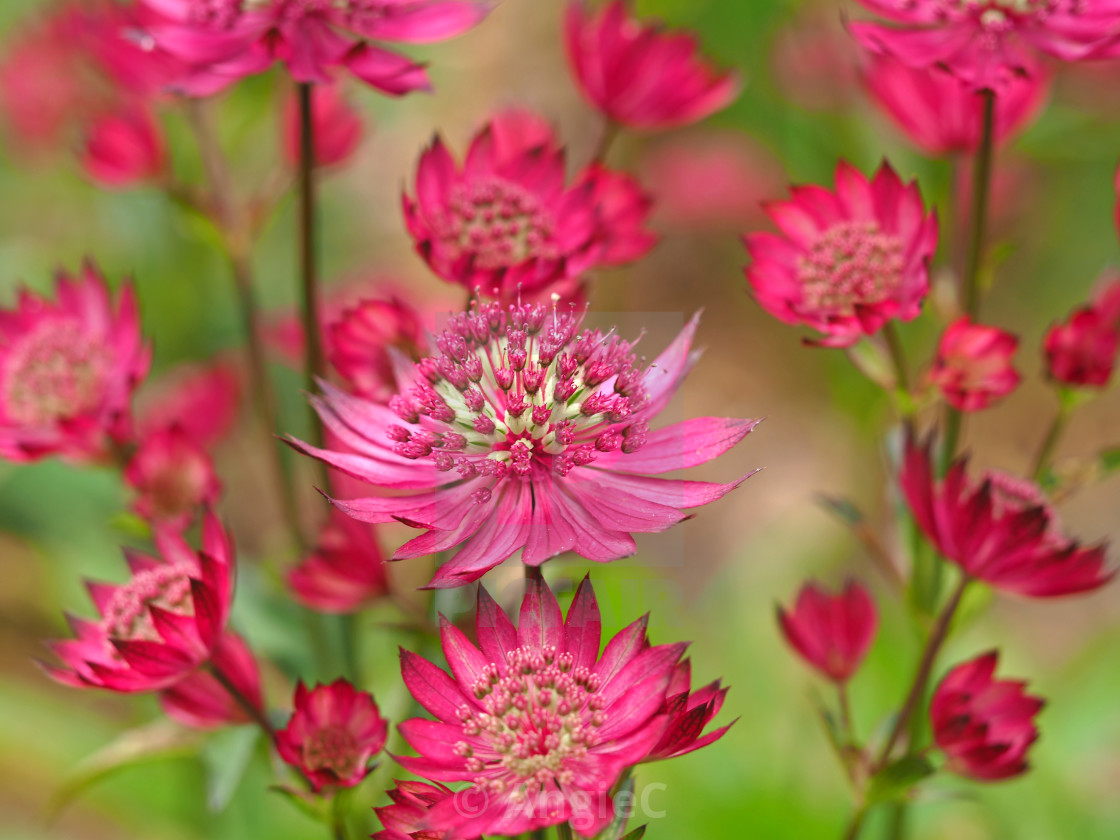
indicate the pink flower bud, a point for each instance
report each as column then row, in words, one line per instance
column 832, row 633
column 124, row 148
column 973, row 365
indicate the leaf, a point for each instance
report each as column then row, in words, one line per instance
column 623, row 807
column 895, row 781
column 130, row 525
column 842, row 508
column 226, row 757
column 313, row 806
column 156, row 741
column 636, row 834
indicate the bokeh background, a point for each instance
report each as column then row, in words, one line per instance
column 716, row 578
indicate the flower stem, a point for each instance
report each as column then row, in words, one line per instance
column 244, row 702
column 856, row 825
column 1050, row 443
column 845, row 712
column 981, row 191
column 564, row 831
column 902, row 373
column 533, row 572
column 314, row 367
column 606, row 139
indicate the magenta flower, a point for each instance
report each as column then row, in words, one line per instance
column 124, row 148
column 943, row 116
column 984, row 726
column 173, row 477
column 1082, row 351
column 526, row 433
column 832, row 633
column 537, row 722
column 507, row 225
column 201, row 702
column 362, row 341
column 639, row 75
column 973, row 367
column 333, row 734
column 1000, row 529
column 403, row 820
column 160, row 626
column 201, row 399
column 845, row 262
column 225, row 40
column 68, row 369
column 346, row 570
column 985, row 42
column 689, row 712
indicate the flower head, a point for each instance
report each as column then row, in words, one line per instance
column 984, row 726
column 124, row 147
column 173, row 477
column 362, row 341
column 832, row 633
column 987, row 42
column 346, row 570
column 845, row 262
column 68, row 368
column 1082, row 351
column 337, row 127
column 200, row 701
column 537, row 722
column 528, row 433
column 973, row 367
column 201, row 399
column 161, row 625
column 639, row 75
column 334, row 732
column 689, row 712
column 404, row 819
column 999, row 529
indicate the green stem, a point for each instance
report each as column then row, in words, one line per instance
column 351, row 661
column 902, row 373
column 856, row 825
column 314, row 367
column 953, row 421
column 981, row 191
column 1050, row 443
column 564, row 831
column 338, row 819
column 606, row 139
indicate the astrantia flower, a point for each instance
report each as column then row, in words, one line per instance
column 346, row 570
column 159, row 626
column 832, row 633
column 689, row 712
column 334, row 732
column 201, row 399
column 973, row 367
column 403, row 820
column 173, row 477
column 360, row 344
column 68, row 369
column 999, row 529
column 845, row 262
column 640, row 75
column 941, row 114
column 984, row 42
column 506, row 224
column 526, row 433
column 1082, row 351
column 537, row 722
column 123, row 148
column 226, row 40
column 200, row 701
column 983, row 725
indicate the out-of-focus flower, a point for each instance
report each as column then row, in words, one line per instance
column 201, row 399
column 506, row 224
column 68, row 369
column 1081, row 351
column 984, row 726
column 639, row 75
column 689, row 712
column 815, row 62
column 334, row 732
column 527, row 433
column 124, row 148
column 200, row 701
column 608, row 707
column 337, row 127
column 845, row 262
column 361, row 343
column 941, row 114
column 160, row 626
column 972, row 368
column 404, row 819
column 226, row 40
column 1000, row 529
column 986, row 43
column 346, row 570
column 832, row 633
column 173, row 477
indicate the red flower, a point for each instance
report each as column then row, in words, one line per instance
column 404, row 819
column 984, row 726
column 334, row 732
column 160, row 626
column 1082, row 351
column 689, row 712
column 847, row 261
column 124, row 148
column 346, row 571
column 173, row 476
column 200, row 701
column 537, row 722
column 337, row 127
column 973, row 367
column 832, row 633
column 1000, row 529
column 362, row 341
column 68, row 369
column 201, row 399
column 639, row 75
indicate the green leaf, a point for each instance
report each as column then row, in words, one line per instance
column 895, row 781
column 636, row 834
column 841, row 507
column 623, row 807
column 313, row 806
column 227, row 755
column 130, row 525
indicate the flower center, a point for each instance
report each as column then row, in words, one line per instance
column 539, row 713
column 516, row 392
column 332, row 748
column 850, row 264
column 499, row 223
column 57, row 372
column 167, row 586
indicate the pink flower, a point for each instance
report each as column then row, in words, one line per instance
column 1082, row 351
column 506, row 224
column 160, row 626
column 201, row 399
column 526, row 433
column 173, row 477
column 226, row 40
column 832, row 633
column 200, row 701
column 361, row 343
column 987, row 42
column 639, row 75
column 973, row 367
column 943, row 116
column 544, row 676
column 403, row 820
column 847, row 261
column 984, row 726
column 68, row 369
column 124, row 148
column 334, row 732
column 346, row 571
column 689, row 712
column 337, row 127
column 1000, row 529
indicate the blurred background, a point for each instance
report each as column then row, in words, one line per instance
column 713, row 580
